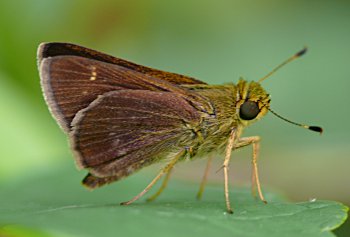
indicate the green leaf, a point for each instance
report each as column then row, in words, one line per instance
column 55, row 203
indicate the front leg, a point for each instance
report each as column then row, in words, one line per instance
column 229, row 147
column 255, row 141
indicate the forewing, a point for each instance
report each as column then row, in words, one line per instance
column 122, row 131
column 64, row 49
column 71, row 83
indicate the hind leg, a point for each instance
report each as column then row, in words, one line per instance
column 162, row 187
column 165, row 170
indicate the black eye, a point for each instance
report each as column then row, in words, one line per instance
column 249, row 110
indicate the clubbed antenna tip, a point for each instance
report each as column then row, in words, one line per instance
column 312, row 128
column 301, row 52
column 292, row 58
column 316, row 129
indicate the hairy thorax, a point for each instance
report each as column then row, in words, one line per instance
column 214, row 128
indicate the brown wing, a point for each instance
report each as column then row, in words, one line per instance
column 64, row 49
column 71, row 83
column 122, row 131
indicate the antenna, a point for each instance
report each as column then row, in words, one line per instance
column 295, row 56
column 312, row 128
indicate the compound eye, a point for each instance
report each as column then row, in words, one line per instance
column 249, row 110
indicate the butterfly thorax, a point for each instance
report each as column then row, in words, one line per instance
column 227, row 100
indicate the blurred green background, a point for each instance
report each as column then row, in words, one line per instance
column 214, row 41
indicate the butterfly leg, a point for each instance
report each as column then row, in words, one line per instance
column 165, row 170
column 228, row 152
column 162, row 187
column 204, row 179
column 255, row 142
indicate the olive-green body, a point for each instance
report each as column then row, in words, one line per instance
column 214, row 129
